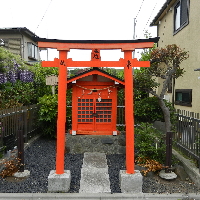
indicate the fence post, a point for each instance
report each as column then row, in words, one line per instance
column 168, row 152
column 25, row 122
column 20, row 146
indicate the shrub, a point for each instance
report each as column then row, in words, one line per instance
column 148, row 110
column 149, row 142
column 48, row 114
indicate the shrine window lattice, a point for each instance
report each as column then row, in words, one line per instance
column 90, row 111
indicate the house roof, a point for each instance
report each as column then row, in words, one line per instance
column 95, row 70
column 165, row 8
column 21, row 30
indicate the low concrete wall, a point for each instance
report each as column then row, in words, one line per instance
column 78, row 144
column 189, row 167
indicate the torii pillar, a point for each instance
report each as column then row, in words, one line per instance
column 127, row 46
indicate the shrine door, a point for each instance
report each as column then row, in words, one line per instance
column 95, row 112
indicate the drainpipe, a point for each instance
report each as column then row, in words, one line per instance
column 22, row 46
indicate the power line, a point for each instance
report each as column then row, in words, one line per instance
column 139, row 10
column 135, row 21
column 43, row 15
column 150, row 16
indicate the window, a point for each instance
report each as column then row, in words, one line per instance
column 32, row 51
column 181, row 15
column 183, row 97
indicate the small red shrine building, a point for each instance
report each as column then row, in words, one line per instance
column 94, row 102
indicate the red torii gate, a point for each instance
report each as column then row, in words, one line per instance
column 127, row 46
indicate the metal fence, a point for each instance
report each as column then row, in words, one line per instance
column 187, row 136
column 14, row 119
column 120, row 117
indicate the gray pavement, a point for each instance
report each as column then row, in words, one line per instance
column 99, row 196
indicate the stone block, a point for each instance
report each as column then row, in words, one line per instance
column 23, row 174
column 95, row 159
column 131, row 183
column 167, row 176
column 59, row 182
column 94, row 180
column 107, row 141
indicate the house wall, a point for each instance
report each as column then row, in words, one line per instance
column 18, row 44
column 187, row 38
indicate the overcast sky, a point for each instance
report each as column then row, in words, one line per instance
column 81, row 19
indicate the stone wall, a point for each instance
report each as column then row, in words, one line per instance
column 78, row 144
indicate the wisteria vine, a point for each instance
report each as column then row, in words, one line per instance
column 15, row 74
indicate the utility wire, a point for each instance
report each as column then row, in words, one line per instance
column 43, row 16
column 139, row 10
column 135, row 21
column 150, row 16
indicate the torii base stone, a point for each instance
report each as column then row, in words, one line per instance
column 59, row 182
column 131, row 183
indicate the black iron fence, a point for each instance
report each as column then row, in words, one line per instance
column 187, row 136
column 17, row 119
column 120, row 117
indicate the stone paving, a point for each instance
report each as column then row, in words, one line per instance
column 94, row 174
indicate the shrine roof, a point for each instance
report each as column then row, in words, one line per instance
column 102, row 72
column 38, row 39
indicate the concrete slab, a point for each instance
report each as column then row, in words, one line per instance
column 59, row 182
column 94, row 180
column 131, row 183
column 94, row 174
column 94, row 159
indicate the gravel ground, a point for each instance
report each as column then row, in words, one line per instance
column 152, row 183
column 40, row 160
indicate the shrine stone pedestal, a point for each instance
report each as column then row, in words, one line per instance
column 131, row 183
column 59, row 182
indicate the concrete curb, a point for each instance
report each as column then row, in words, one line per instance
column 189, row 167
column 100, row 196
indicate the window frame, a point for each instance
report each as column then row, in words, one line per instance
column 32, row 51
column 183, row 91
column 182, row 24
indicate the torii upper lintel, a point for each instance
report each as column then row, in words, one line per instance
column 124, row 45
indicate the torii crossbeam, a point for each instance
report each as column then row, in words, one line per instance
column 126, row 46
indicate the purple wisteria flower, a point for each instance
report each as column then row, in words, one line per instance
column 15, row 74
column 26, row 76
column 3, row 78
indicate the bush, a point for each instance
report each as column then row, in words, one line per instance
column 48, row 114
column 149, row 142
column 148, row 110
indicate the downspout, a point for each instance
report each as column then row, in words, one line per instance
column 22, row 46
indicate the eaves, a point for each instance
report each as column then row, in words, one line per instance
column 163, row 11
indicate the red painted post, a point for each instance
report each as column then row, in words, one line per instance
column 62, row 87
column 129, row 113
